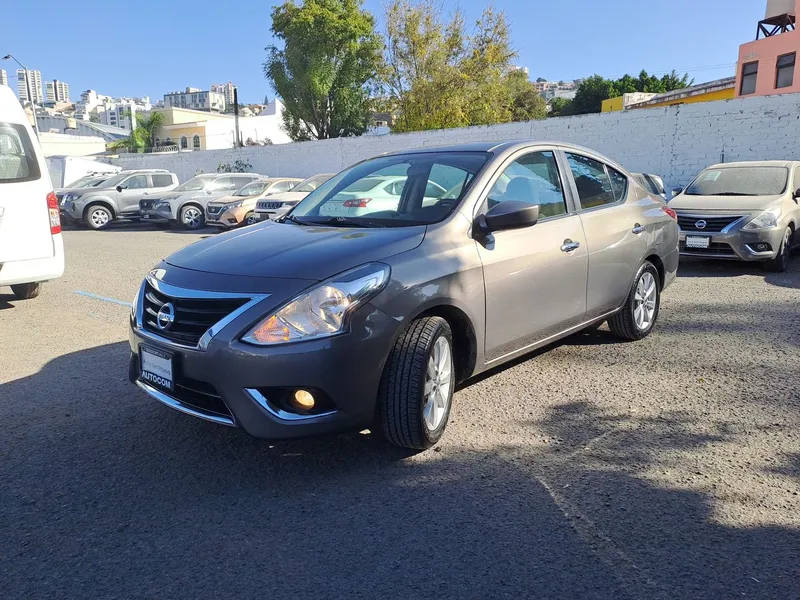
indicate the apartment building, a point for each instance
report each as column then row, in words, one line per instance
column 56, row 92
column 196, row 99
column 30, row 80
column 226, row 89
column 3, row 77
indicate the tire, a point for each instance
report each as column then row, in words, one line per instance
column 409, row 417
column 97, row 216
column 631, row 324
column 249, row 219
column 781, row 261
column 192, row 217
column 26, row 291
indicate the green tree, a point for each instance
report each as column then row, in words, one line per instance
column 144, row 135
column 437, row 75
column 590, row 95
column 526, row 103
column 560, row 107
column 330, row 55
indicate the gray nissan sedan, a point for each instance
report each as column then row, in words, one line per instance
column 322, row 323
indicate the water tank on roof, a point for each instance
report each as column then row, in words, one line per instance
column 776, row 8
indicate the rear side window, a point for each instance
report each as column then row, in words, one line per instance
column 592, row 181
column 619, row 184
column 18, row 161
column 161, row 180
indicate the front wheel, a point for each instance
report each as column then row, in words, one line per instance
column 98, row 216
column 192, row 217
column 417, row 386
column 781, row 261
column 250, row 219
column 26, row 291
column 638, row 317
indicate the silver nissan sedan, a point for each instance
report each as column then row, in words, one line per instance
column 323, row 323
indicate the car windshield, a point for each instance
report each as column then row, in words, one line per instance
column 252, row 189
column 86, row 181
column 418, row 189
column 95, row 181
column 115, row 180
column 196, row 183
column 310, row 184
column 740, row 181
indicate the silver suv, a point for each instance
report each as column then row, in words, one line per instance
column 187, row 203
column 117, row 197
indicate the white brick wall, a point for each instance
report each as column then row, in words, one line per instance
column 675, row 142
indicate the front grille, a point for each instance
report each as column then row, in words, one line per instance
column 715, row 249
column 200, row 395
column 214, row 210
column 713, row 224
column 146, row 204
column 193, row 316
column 269, row 205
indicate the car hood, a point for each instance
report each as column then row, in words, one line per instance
column 231, row 199
column 291, row 251
column 286, row 196
column 722, row 203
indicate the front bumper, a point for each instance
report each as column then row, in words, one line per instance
column 738, row 244
column 163, row 214
column 243, row 379
column 226, row 218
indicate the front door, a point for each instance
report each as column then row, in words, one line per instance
column 133, row 190
column 535, row 278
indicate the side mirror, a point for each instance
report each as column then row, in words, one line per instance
column 121, row 187
column 511, row 214
column 676, row 190
column 796, row 194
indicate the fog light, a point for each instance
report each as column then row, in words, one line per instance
column 303, row 400
column 762, row 247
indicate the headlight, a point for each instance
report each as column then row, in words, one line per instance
column 161, row 204
column 234, row 205
column 767, row 219
column 323, row 310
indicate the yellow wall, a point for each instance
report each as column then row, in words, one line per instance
column 725, row 94
column 175, row 134
column 612, row 104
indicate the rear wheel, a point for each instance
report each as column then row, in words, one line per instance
column 98, row 216
column 781, row 261
column 638, row 317
column 26, row 291
column 192, row 217
column 417, row 386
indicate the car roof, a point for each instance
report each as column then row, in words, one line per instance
column 493, row 147
column 126, row 171
column 271, row 179
column 757, row 163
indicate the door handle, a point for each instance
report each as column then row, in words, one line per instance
column 637, row 229
column 570, row 246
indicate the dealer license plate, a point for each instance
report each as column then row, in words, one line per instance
column 156, row 367
column 696, row 241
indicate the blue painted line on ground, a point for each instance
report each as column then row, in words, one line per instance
column 103, row 298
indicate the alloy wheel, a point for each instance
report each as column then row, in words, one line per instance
column 99, row 218
column 251, row 220
column 438, row 384
column 644, row 306
column 191, row 217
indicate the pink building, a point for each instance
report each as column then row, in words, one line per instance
column 767, row 65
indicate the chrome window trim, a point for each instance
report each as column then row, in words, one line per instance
column 283, row 415
column 176, row 404
column 185, row 293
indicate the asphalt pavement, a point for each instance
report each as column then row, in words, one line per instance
column 666, row 469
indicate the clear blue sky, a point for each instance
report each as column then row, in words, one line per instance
column 153, row 47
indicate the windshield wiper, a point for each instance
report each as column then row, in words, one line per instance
column 731, row 194
column 292, row 219
column 342, row 222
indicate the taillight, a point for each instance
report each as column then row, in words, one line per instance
column 357, row 203
column 55, row 218
column 670, row 212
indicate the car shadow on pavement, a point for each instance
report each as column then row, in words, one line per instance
column 5, row 301
column 691, row 268
column 108, row 494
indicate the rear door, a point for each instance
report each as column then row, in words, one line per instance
column 614, row 228
column 24, row 185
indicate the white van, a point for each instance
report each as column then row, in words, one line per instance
column 31, row 248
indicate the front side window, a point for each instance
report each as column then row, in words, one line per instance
column 740, row 181
column 282, row 186
column 252, row 189
column 137, row 182
column 532, row 179
column 356, row 197
column 17, row 160
column 796, row 179
column 196, row 183
column 749, row 78
column 592, row 181
column 785, row 74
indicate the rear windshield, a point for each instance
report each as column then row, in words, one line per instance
column 17, row 159
column 740, row 181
